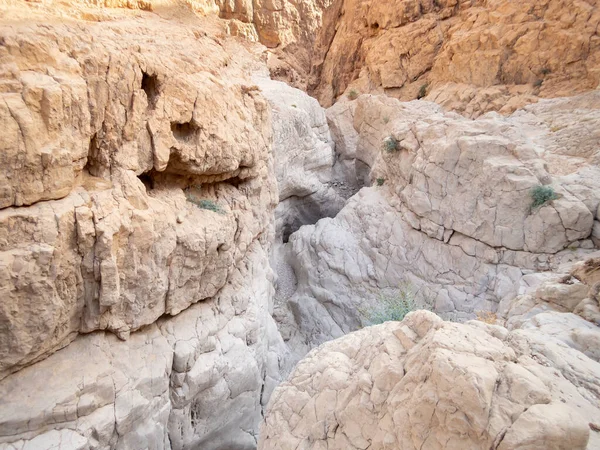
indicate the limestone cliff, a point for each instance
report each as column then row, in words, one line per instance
column 177, row 229
column 449, row 211
column 470, row 56
column 137, row 191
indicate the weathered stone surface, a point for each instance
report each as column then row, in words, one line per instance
column 199, row 379
column 450, row 213
column 140, row 186
column 137, row 192
column 426, row 383
column 548, row 304
column 471, row 57
column 148, row 139
column 304, row 157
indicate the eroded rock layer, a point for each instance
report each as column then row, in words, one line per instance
column 470, row 56
column 427, row 383
column 152, row 174
column 450, row 211
column 137, row 192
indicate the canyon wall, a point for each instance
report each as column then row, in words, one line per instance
column 470, row 56
column 137, row 191
column 177, row 229
column 449, row 212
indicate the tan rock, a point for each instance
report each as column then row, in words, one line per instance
column 157, row 152
column 448, row 386
column 471, row 57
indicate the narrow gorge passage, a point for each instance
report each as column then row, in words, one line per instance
column 203, row 203
column 466, row 249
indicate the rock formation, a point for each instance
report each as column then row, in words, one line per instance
column 565, row 306
column 138, row 191
column 304, row 154
column 177, row 229
column 427, row 383
column 470, row 56
column 450, row 210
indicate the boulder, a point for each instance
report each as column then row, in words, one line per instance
column 427, row 383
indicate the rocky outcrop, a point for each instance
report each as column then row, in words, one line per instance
column 156, row 195
column 198, row 380
column 471, row 57
column 450, row 212
column 565, row 306
column 152, row 175
column 137, row 195
column 304, row 158
column 426, row 383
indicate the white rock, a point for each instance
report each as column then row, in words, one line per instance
column 426, row 383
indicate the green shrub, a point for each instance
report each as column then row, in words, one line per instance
column 538, row 83
column 386, row 119
column 545, row 71
column 422, row 91
column 353, row 94
column 380, row 181
column 541, row 195
column 210, row 205
column 390, row 144
column 204, row 203
column 391, row 307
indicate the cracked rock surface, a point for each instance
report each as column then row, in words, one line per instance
column 428, row 383
column 137, row 192
column 453, row 213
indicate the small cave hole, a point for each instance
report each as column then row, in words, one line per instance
column 148, row 181
column 184, row 132
column 150, row 87
column 91, row 165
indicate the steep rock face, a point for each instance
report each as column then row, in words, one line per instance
column 137, row 197
column 426, row 383
column 198, row 380
column 128, row 151
column 304, row 158
column 470, row 56
column 310, row 186
column 452, row 211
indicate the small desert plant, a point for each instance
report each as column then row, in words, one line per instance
column 390, row 144
column 391, row 307
column 537, row 83
column 204, row 203
column 210, row 205
column 545, row 71
column 386, row 119
column 353, row 94
column 380, row 181
column 294, row 105
column 540, row 195
column 487, row 317
column 422, row 91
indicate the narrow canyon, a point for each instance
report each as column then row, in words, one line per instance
column 299, row 224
